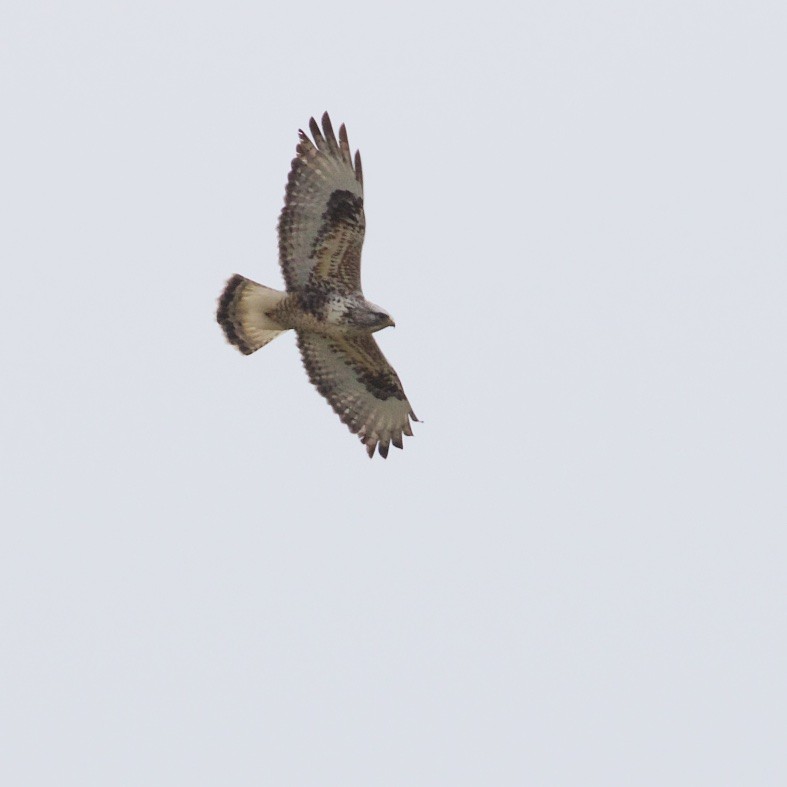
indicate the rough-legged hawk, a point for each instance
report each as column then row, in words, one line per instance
column 321, row 230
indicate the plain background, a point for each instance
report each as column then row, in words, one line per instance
column 574, row 573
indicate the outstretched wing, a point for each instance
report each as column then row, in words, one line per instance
column 352, row 374
column 322, row 223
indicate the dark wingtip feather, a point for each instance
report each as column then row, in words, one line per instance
column 316, row 133
column 327, row 128
column 358, row 167
column 344, row 144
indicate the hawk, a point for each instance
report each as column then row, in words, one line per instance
column 321, row 231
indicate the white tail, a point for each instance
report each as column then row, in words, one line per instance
column 243, row 312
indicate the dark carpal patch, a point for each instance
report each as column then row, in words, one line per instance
column 382, row 385
column 343, row 207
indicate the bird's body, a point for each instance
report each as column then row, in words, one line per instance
column 321, row 231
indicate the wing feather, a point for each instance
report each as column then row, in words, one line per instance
column 352, row 373
column 322, row 224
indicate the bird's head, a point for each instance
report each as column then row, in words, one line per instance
column 381, row 318
column 371, row 317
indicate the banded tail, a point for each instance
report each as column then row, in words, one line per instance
column 243, row 313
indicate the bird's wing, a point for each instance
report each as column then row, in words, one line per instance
column 322, row 224
column 353, row 375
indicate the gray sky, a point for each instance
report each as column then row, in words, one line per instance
column 574, row 573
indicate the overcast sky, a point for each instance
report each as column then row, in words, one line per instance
column 574, row 573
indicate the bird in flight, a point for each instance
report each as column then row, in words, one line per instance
column 321, row 231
